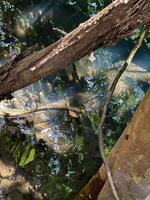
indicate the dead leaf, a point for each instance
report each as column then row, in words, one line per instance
column 72, row 114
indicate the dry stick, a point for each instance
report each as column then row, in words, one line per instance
column 99, row 131
column 53, row 107
column 49, row 106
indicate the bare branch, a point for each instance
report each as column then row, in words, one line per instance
column 62, row 105
column 108, row 98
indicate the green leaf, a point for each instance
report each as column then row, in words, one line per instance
column 15, row 152
column 27, row 156
column 31, row 156
column 24, row 156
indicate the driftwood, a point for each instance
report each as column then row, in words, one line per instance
column 116, row 21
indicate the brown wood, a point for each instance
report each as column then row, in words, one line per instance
column 116, row 21
column 129, row 161
column 92, row 189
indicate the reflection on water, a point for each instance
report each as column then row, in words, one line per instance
column 52, row 154
column 57, row 151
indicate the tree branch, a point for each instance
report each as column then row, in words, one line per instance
column 62, row 105
column 99, row 131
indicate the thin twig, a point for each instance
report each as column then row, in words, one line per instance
column 99, row 131
column 60, row 31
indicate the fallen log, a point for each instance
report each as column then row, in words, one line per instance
column 116, row 21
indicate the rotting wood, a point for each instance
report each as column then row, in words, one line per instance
column 116, row 21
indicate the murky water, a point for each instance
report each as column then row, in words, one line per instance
column 56, row 150
column 51, row 154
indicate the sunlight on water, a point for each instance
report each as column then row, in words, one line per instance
column 57, row 148
column 54, row 152
column 32, row 16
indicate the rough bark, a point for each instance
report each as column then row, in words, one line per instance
column 129, row 161
column 116, row 21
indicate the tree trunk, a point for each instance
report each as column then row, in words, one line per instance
column 116, row 21
column 129, row 161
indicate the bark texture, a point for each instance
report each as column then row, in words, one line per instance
column 129, row 161
column 116, row 21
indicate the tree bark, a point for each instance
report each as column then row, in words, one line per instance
column 129, row 161
column 116, row 21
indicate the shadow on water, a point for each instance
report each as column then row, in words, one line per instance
column 122, row 49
